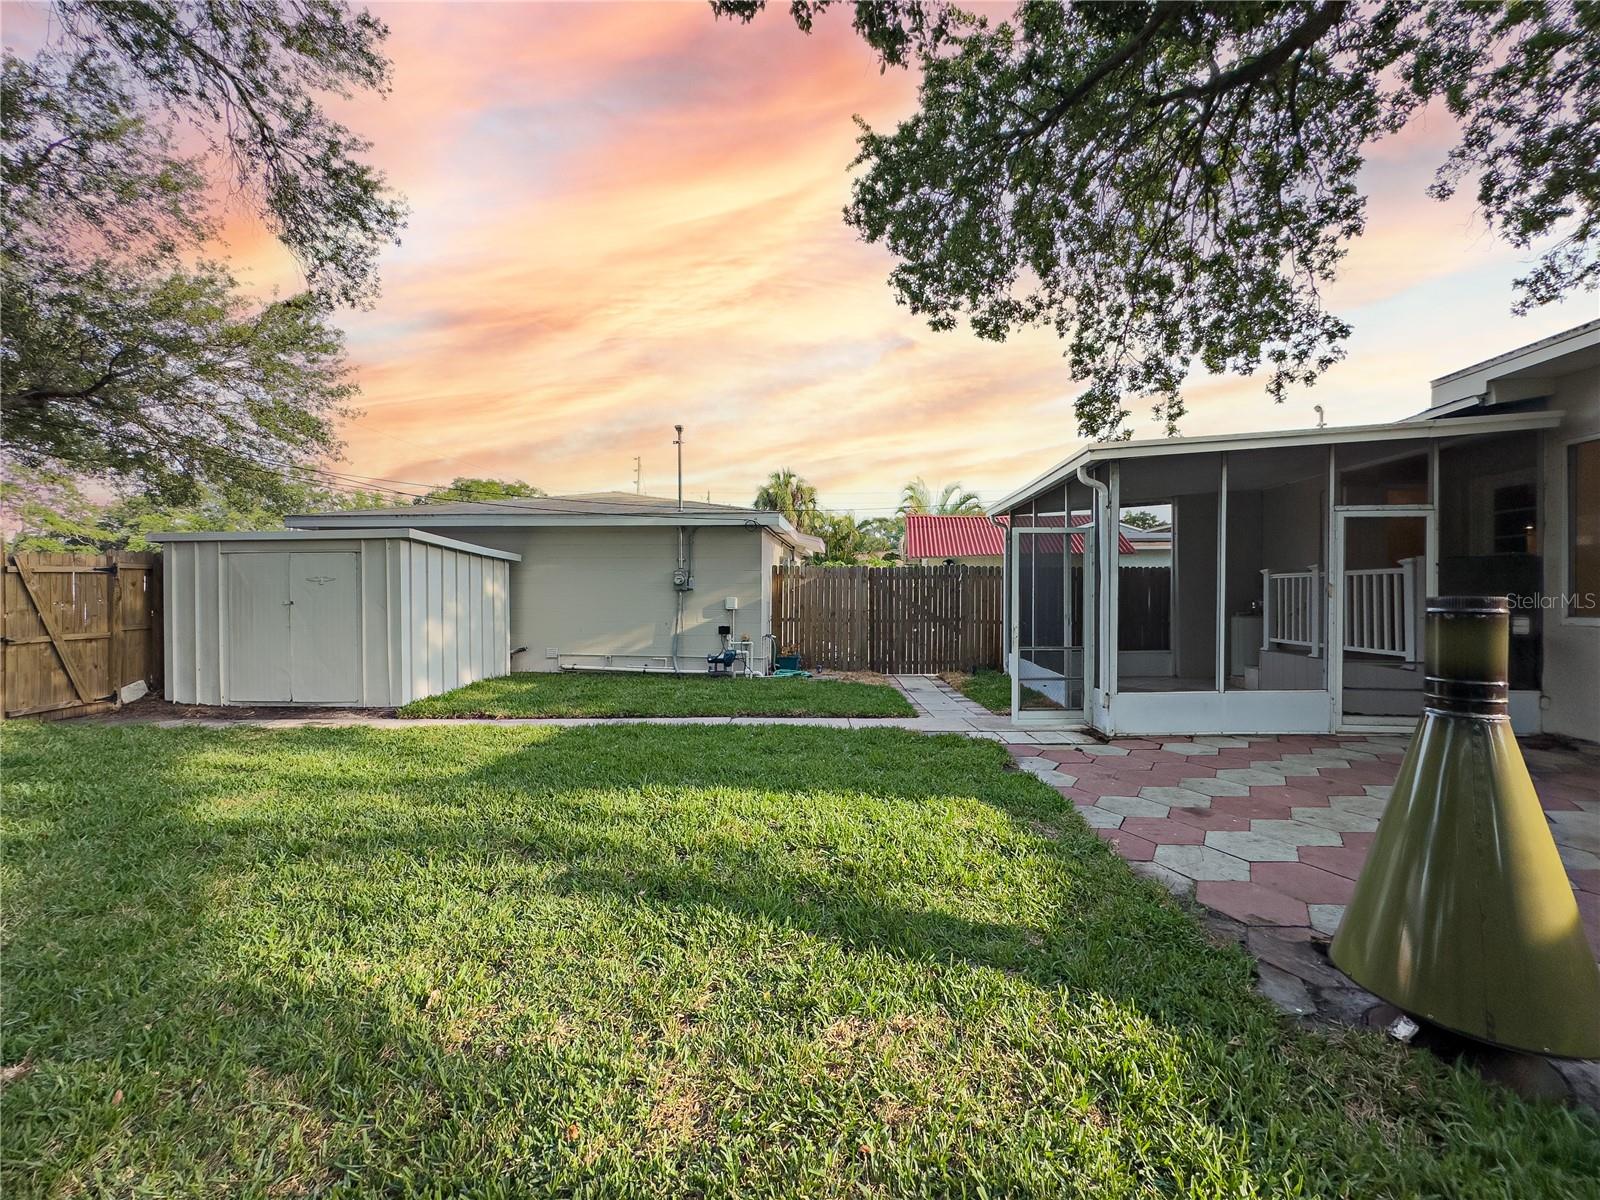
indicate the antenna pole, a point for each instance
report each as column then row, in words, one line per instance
column 678, row 442
column 638, row 476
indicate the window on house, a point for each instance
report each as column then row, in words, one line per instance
column 1515, row 519
column 1583, row 559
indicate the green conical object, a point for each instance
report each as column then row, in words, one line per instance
column 1463, row 914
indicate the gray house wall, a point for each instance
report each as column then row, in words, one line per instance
column 582, row 594
column 1571, row 679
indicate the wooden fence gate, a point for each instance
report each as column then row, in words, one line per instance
column 915, row 620
column 76, row 629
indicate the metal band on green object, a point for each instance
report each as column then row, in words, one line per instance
column 1467, row 656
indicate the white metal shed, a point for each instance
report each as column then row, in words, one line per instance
column 368, row 617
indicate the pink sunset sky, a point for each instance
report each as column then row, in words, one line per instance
column 625, row 216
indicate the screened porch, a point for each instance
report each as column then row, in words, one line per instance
column 1299, row 564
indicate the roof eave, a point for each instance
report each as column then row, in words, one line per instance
column 1401, row 430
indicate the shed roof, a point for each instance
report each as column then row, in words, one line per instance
column 293, row 536
column 1099, row 452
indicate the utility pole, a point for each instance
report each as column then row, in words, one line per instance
column 678, row 442
column 638, row 476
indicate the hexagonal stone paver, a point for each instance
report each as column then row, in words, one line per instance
column 1304, row 882
column 1252, row 847
column 1340, row 820
column 1215, row 787
column 1099, row 818
column 1182, row 797
column 1325, row 918
column 1187, row 748
column 1202, row 863
column 1576, row 829
column 1178, row 885
column 1252, row 903
column 1369, row 806
column 1353, row 756
column 1132, row 848
column 1133, row 806
column 1382, row 792
column 1251, row 777
column 1284, row 766
column 1164, row 832
column 1112, row 751
column 1295, row 833
column 1229, row 743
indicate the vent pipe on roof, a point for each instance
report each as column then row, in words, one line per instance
column 678, row 442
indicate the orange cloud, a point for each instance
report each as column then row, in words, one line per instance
column 628, row 215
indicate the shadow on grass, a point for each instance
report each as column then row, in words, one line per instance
column 347, row 956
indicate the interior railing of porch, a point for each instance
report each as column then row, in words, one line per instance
column 1382, row 610
column 1291, row 609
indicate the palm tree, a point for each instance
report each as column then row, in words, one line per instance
column 786, row 493
column 918, row 497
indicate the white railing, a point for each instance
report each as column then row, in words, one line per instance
column 1381, row 610
column 1291, row 609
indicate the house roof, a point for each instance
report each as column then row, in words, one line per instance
column 943, row 535
column 584, row 508
column 1099, row 452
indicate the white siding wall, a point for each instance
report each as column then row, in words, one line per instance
column 431, row 618
column 1571, row 678
column 453, row 624
column 607, row 590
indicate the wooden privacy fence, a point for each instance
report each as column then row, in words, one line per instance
column 910, row 619
column 76, row 629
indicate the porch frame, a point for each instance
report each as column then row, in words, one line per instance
column 1221, row 710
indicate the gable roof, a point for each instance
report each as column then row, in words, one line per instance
column 946, row 535
column 584, row 508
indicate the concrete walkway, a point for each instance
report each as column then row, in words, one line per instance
column 940, row 709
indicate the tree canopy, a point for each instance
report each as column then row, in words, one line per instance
column 252, row 80
column 464, row 487
column 786, row 493
column 129, row 358
column 1170, row 186
column 918, row 497
column 51, row 513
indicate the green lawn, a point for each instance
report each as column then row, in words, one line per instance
column 743, row 962
column 574, row 694
column 992, row 689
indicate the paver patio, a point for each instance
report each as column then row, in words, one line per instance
column 1273, row 831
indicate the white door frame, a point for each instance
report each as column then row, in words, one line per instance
column 1068, row 717
column 1336, row 591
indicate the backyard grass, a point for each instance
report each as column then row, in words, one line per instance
column 743, row 962
column 992, row 689
column 574, row 694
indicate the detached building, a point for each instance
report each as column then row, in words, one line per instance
column 382, row 606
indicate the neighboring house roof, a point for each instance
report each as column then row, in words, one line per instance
column 942, row 535
column 585, row 508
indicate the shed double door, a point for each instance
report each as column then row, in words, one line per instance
column 294, row 628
